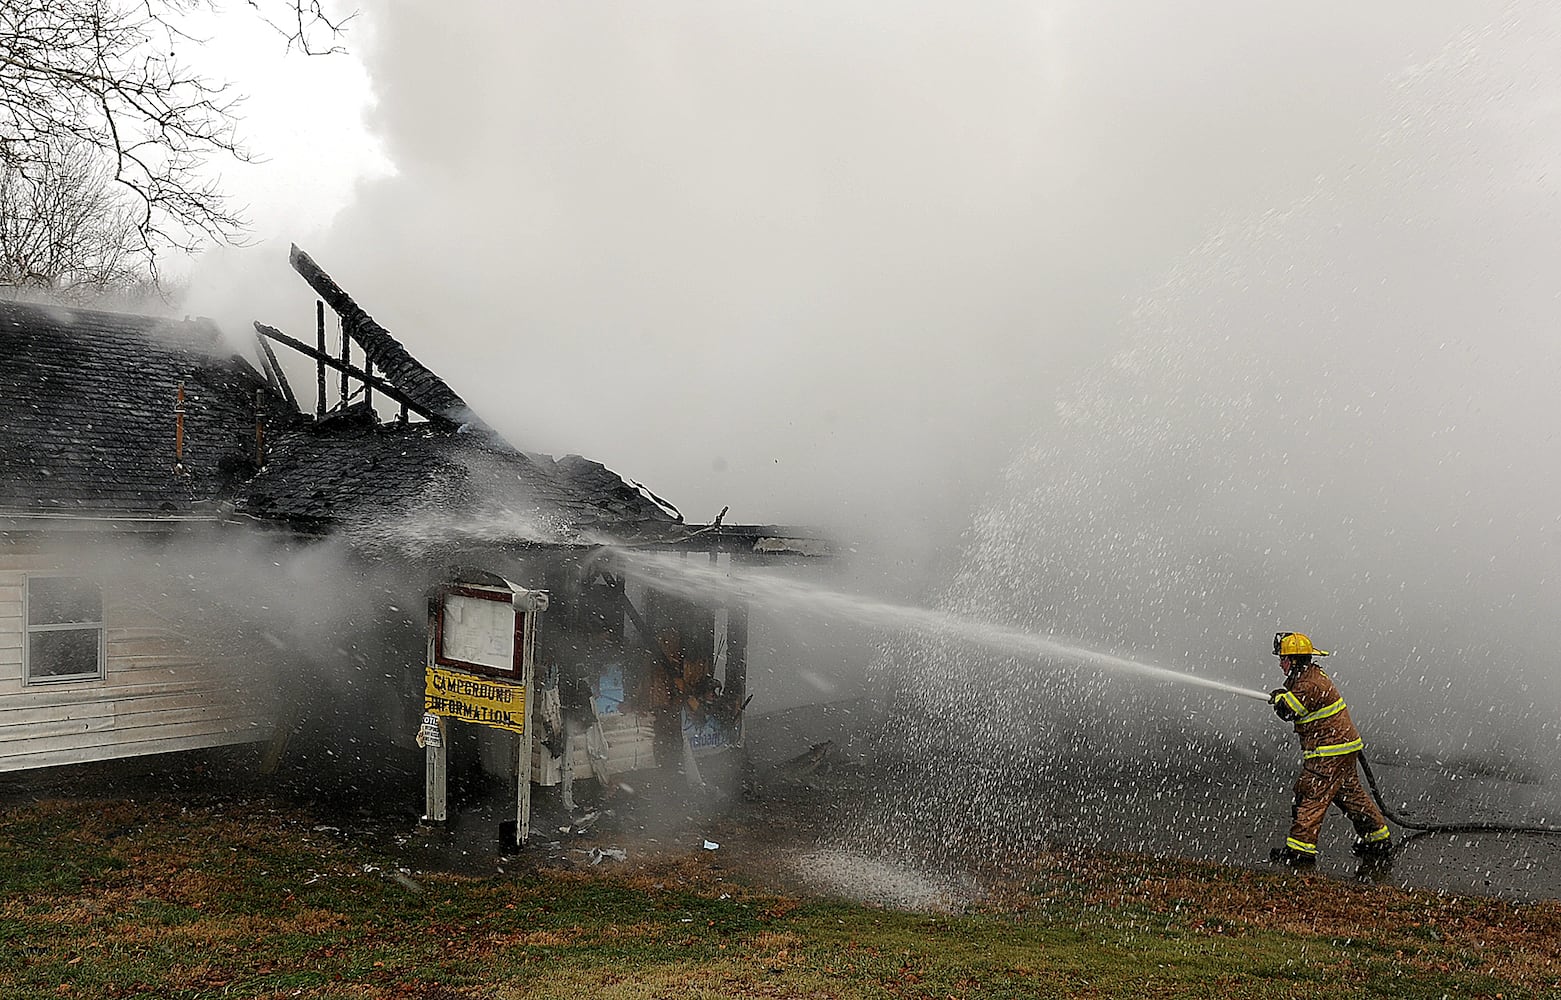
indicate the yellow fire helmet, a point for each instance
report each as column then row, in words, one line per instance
column 1296, row 644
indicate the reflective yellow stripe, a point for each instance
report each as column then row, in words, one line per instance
column 1300, row 845
column 1292, row 702
column 1375, row 835
column 1326, row 712
column 1334, row 750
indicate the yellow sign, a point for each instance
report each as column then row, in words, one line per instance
column 470, row 698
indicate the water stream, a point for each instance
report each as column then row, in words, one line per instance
column 702, row 580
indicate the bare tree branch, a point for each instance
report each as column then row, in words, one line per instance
column 105, row 75
column 66, row 227
column 303, row 23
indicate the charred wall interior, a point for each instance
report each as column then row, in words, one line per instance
column 628, row 677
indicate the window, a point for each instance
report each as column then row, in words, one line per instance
column 64, row 630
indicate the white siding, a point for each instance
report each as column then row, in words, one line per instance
column 163, row 691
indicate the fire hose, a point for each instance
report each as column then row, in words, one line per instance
column 1376, row 793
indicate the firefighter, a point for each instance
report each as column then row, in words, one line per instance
column 1330, row 748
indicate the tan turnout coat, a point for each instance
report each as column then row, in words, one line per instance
column 1312, row 702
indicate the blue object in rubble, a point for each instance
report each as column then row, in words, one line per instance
column 708, row 733
column 608, row 699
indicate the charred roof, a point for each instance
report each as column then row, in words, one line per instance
column 106, row 415
column 88, row 412
column 412, row 484
column 92, row 423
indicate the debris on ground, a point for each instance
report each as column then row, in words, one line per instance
column 811, row 761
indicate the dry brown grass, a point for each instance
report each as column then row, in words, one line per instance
column 161, row 879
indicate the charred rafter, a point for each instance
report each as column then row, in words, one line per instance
column 358, row 373
column 274, row 373
column 426, row 391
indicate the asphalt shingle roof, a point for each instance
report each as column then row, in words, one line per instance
column 87, row 421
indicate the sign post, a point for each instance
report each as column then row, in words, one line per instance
column 481, row 662
column 435, row 760
column 527, row 604
column 436, row 769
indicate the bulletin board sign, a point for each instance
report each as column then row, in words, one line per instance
column 481, row 658
column 478, row 630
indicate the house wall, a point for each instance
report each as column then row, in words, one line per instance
column 161, row 691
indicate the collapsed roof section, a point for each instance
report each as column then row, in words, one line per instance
column 422, row 485
column 423, row 389
column 104, row 415
column 449, row 480
column 107, row 415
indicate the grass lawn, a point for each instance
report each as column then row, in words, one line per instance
column 113, row 898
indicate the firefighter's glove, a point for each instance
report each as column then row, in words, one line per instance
column 1282, row 707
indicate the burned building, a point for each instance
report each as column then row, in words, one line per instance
column 166, row 505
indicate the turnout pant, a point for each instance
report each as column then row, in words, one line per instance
column 1328, row 781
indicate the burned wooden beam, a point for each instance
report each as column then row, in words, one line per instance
column 274, row 372
column 736, row 678
column 265, row 365
column 673, row 668
column 346, row 356
column 358, row 373
column 319, row 336
column 260, row 430
column 427, row 391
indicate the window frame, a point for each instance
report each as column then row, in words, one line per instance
column 29, row 630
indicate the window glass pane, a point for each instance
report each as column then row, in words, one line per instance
column 59, row 600
column 66, row 653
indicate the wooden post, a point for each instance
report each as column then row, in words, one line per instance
column 178, row 430
column 527, row 620
column 736, row 679
column 368, row 387
column 319, row 330
column 436, row 771
column 436, row 759
column 346, row 357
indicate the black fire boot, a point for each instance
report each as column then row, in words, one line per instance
column 1292, row 857
column 1376, row 849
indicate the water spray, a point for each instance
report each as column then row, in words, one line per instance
column 704, row 581
column 696, row 580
